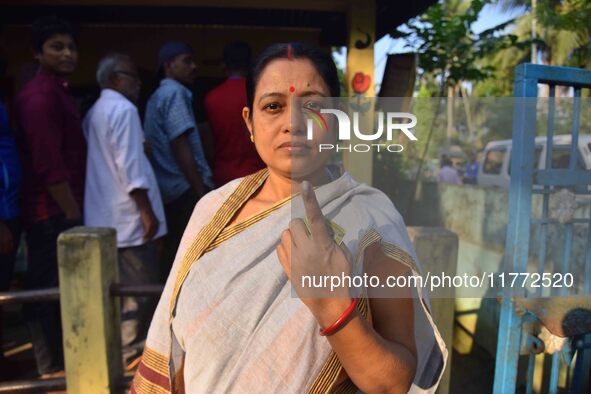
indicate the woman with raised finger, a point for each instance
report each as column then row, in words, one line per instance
column 237, row 315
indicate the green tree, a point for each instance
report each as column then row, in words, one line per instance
column 449, row 51
column 447, row 46
column 566, row 32
column 563, row 34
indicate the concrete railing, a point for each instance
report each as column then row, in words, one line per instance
column 87, row 260
column 437, row 251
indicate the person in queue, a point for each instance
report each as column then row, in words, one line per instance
column 178, row 157
column 122, row 192
column 53, row 155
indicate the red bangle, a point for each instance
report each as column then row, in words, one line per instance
column 339, row 322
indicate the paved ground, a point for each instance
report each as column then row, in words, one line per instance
column 16, row 346
column 472, row 373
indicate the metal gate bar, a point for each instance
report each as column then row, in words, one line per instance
column 588, row 261
column 52, row 294
column 548, row 179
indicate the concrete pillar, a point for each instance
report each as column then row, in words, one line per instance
column 437, row 251
column 87, row 259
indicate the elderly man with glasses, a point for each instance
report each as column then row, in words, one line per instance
column 121, row 189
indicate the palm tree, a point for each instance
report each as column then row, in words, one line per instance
column 563, row 38
column 565, row 32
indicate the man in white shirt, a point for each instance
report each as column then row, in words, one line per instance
column 121, row 190
column 448, row 174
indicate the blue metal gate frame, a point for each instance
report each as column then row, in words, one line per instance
column 527, row 78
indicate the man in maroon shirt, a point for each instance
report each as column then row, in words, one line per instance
column 234, row 154
column 53, row 153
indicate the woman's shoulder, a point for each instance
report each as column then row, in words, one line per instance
column 366, row 211
column 370, row 202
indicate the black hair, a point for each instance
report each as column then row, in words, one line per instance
column 321, row 60
column 46, row 26
column 237, row 56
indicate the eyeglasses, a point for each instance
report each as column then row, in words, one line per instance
column 129, row 74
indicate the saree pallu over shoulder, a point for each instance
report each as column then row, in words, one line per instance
column 210, row 232
column 228, row 321
column 153, row 373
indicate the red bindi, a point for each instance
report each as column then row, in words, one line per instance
column 292, row 89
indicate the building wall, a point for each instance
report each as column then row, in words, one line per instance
column 143, row 42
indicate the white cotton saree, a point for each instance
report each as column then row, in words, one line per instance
column 228, row 320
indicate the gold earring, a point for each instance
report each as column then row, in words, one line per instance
column 251, row 138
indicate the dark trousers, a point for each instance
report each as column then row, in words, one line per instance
column 6, row 268
column 178, row 213
column 7, row 260
column 43, row 318
column 138, row 265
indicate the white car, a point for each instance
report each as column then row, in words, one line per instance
column 495, row 164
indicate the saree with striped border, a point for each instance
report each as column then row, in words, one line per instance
column 228, row 320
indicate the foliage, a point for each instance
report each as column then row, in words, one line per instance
column 566, row 31
column 564, row 39
column 447, row 46
column 504, row 61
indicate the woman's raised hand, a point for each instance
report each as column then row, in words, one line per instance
column 317, row 267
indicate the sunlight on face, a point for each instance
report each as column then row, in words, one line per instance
column 285, row 88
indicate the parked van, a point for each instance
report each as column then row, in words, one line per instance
column 495, row 164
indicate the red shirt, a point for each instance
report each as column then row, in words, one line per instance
column 51, row 144
column 234, row 154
